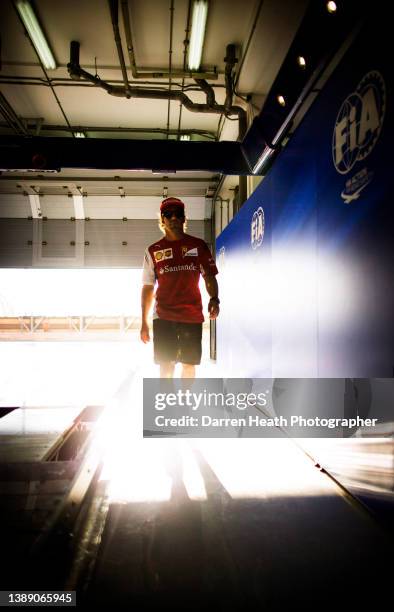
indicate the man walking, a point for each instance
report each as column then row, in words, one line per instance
column 175, row 262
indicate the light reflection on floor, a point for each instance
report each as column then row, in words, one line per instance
column 256, row 469
column 149, row 469
column 76, row 374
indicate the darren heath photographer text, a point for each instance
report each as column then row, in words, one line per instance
column 256, row 421
column 207, row 400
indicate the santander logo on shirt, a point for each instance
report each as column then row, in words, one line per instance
column 185, row 267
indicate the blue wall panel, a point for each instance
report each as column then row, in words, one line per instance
column 313, row 294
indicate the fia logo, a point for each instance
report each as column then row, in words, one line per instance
column 359, row 122
column 257, row 228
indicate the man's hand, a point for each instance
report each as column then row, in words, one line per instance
column 213, row 308
column 212, row 289
column 144, row 333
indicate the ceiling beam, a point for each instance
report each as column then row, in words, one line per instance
column 73, row 180
column 31, row 123
column 165, row 156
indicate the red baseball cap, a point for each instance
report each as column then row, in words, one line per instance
column 171, row 202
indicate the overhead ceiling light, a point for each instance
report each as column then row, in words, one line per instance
column 331, row 7
column 79, row 135
column 199, row 19
column 301, row 61
column 281, row 100
column 36, row 34
column 185, row 137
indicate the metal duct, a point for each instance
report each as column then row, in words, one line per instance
column 113, row 7
column 76, row 72
column 230, row 60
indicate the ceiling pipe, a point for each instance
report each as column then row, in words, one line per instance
column 208, row 90
column 170, row 62
column 185, row 48
column 158, row 74
column 230, row 60
column 129, row 40
column 113, row 7
column 76, row 72
column 65, row 82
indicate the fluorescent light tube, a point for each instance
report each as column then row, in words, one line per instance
column 199, row 19
column 36, row 34
column 264, row 157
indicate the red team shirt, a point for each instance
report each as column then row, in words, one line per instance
column 176, row 265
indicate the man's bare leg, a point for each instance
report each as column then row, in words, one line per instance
column 188, row 370
column 167, row 369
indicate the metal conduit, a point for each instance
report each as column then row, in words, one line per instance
column 170, row 63
column 185, row 48
column 208, row 90
column 113, row 7
column 230, row 60
column 76, row 72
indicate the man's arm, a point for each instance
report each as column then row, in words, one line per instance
column 146, row 304
column 211, row 285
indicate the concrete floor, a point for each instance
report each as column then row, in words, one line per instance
column 265, row 530
column 226, row 524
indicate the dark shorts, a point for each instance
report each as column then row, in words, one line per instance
column 174, row 341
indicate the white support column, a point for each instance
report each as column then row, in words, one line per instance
column 35, row 206
column 79, row 211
